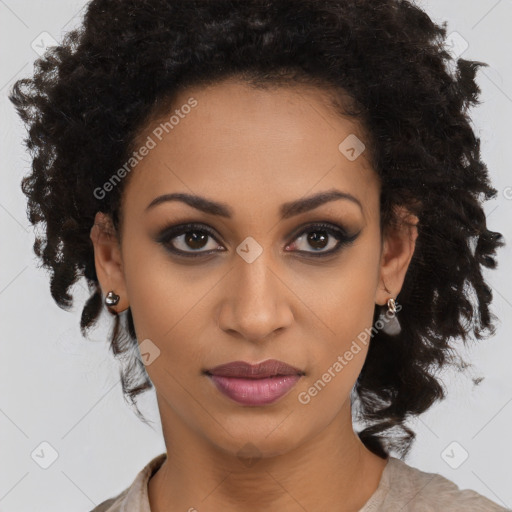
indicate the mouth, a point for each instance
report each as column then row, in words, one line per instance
column 254, row 385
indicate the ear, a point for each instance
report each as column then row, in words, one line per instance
column 108, row 260
column 398, row 247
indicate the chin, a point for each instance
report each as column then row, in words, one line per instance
column 250, row 442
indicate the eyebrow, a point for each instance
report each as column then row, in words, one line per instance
column 286, row 210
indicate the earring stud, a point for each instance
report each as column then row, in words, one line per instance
column 391, row 305
column 391, row 325
column 111, row 298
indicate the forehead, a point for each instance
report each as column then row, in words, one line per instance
column 241, row 145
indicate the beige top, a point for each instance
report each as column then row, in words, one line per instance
column 401, row 487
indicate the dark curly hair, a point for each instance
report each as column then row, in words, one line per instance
column 385, row 63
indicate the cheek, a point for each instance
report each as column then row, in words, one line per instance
column 346, row 299
column 346, row 304
column 169, row 306
column 156, row 294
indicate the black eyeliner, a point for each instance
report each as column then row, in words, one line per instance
column 338, row 233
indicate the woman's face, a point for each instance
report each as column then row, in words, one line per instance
column 255, row 278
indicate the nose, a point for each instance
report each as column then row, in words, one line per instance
column 255, row 301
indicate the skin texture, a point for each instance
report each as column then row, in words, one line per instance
column 254, row 150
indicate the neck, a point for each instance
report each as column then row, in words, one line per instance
column 332, row 470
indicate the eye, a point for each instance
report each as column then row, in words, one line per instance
column 188, row 236
column 322, row 236
column 192, row 240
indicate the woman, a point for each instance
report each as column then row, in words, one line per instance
column 279, row 201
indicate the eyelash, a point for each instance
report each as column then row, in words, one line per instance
column 169, row 233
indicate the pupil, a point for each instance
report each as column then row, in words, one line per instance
column 194, row 240
column 317, row 241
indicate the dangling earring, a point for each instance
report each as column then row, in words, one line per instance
column 391, row 324
column 111, row 298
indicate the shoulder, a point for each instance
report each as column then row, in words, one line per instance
column 135, row 496
column 112, row 504
column 420, row 491
column 108, row 505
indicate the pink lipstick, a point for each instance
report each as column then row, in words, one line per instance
column 258, row 384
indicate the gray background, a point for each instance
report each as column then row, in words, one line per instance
column 61, row 389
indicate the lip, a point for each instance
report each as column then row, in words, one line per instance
column 268, row 368
column 257, row 384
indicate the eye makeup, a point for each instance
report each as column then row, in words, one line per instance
column 199, row 234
